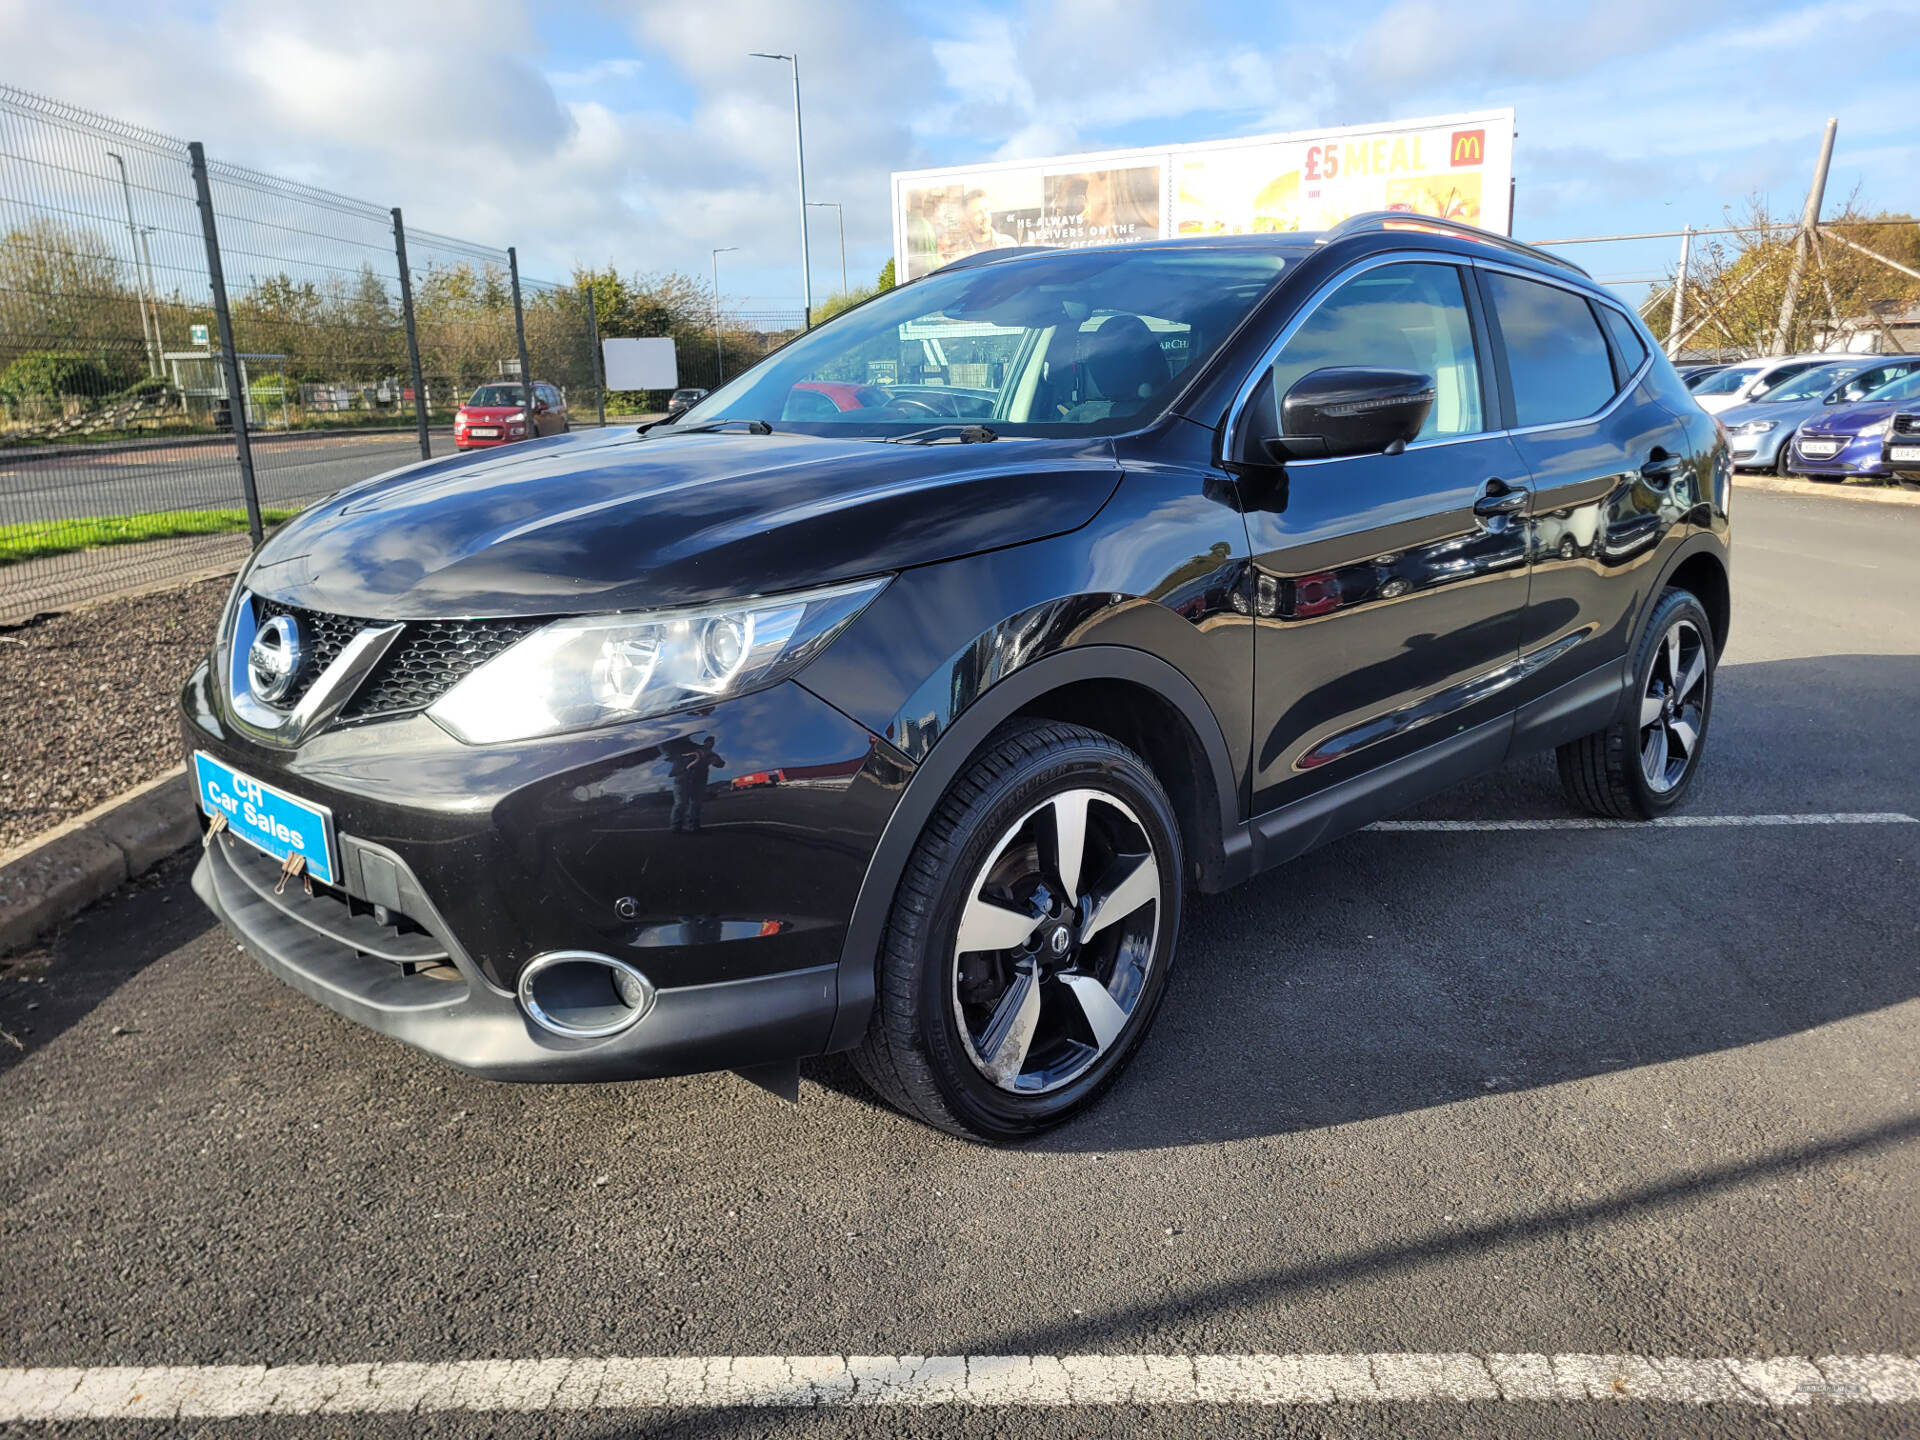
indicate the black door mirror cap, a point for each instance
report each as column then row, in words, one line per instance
column 1352, row 410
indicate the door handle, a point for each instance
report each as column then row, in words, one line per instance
column 1660, row 468
column 1497, row 497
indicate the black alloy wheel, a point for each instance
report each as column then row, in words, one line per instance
column 1643, row 764
column 1032, row 936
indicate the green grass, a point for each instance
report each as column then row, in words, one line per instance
column 37, row 539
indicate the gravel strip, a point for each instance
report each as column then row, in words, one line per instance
column 90, row 702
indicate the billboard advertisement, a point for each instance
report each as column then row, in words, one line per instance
column 1456, row 166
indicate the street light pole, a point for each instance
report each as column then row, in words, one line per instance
column 133, row 243
column 719, row 360
column 800, row 161
column 840, row 220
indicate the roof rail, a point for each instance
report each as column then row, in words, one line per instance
column 1377, row 220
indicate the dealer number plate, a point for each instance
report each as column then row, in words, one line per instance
column 1819, row 449
column 1905, row 452
column 484, row 432
column 266, row 818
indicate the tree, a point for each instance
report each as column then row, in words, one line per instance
column 885, row 280
column 673, row 304
column 64, row 288
column 1735, row 283
column 841, row 300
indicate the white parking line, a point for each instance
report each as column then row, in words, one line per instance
column 1670, row 822
column 805, row 1381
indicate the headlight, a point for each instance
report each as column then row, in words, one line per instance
column 1877, row 429
column 1753, row 427
column 518, row 415
column 602, row 669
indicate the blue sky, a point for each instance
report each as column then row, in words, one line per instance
column 645, row 135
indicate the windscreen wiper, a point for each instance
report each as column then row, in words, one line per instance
column 754, row 427
column 964, row 435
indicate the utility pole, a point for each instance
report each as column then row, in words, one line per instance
column 840, row 220
column 1809, row 221
column 800, row 158
column 1679, row 291
column 147, row 328
column 719, row 360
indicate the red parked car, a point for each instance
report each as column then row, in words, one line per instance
column 496, row 414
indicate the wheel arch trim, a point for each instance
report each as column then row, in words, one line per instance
column 1693, row 547
column 860, row 951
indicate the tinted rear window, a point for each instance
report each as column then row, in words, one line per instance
column 1558, row 357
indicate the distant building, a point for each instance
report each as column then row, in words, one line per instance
column 1890, row 327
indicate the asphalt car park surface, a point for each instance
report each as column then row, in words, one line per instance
column 1621, row 1091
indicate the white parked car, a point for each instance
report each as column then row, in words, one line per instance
column 1750, row 380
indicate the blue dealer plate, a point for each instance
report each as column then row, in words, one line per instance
column 265, row 817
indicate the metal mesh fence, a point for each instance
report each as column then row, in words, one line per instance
column 120, row 461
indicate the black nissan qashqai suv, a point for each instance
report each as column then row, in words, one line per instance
column 901, row 725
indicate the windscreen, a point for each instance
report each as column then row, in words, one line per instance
column 1907, row 387
column 1727, row 381
column 1812, row 385
column 497, row 395
column 1074, row 342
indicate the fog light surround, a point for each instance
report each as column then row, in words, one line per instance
column 583, row 995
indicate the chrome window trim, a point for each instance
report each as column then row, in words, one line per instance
column 1244, row 396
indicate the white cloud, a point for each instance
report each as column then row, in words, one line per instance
column 668, row 139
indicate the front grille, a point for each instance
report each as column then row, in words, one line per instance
column 429, row 659
column 324, row 636
column 1906, row 424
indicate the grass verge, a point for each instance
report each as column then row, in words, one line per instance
column 38, row 539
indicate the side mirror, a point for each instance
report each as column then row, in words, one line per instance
column 1351, row 410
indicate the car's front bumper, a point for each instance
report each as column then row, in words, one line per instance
column 730, row 889
column 1858, row 456
column 455, row 1015
column 1759, row 451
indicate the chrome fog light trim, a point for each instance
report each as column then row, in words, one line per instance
column 559, row 993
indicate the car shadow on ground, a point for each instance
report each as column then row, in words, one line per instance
column 1392, row 972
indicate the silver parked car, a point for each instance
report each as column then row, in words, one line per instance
column 1761, row 429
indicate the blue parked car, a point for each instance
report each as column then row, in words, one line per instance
column 1761, row 428
column 1845, row 443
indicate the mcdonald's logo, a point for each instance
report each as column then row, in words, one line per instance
column 1469, row 147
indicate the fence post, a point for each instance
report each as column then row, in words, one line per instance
column 413, row 340
column 236, row 396
column 593, row 365
column 520, row 339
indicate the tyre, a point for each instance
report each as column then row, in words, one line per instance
column 1031, row 938
column 1643, row 764
column 1783, row 456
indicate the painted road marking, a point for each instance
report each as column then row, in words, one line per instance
column 1669, row 822
column 805, row 1381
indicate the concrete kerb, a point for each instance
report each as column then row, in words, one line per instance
column 56, row 875
column 1882, row 494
